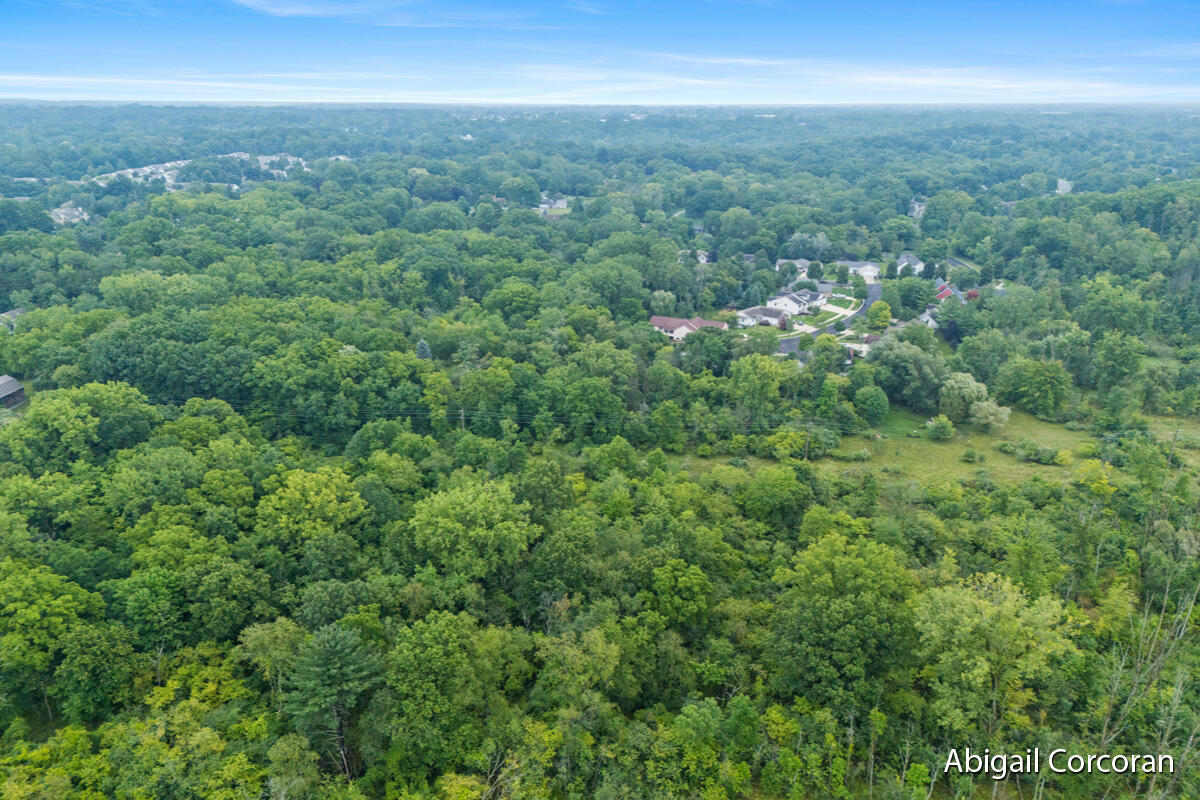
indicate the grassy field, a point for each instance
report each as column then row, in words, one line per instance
column 927, row 461
column 696, row 466
column 1185, row 433
column 900, row 457
column 841, row 302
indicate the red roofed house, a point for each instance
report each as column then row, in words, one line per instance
column 676, row 328
column 943, row 291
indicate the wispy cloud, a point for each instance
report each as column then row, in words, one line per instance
column 833, row 80
column 736, row 61
column 808, row 82
column 322, row 8
column 398, row 13
column 1169, row 51
column 586, row 7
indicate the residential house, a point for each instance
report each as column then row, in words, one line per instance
column 794, row 303
column 68, row 215
column 801, row 264
column 945, row 290
column 911, row 261
column 867, row 270
column 9, row 318
column 702, row 256
column 762, row 315
column 676, row 329
column 11, row 391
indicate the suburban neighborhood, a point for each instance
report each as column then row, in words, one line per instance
column 808, row 308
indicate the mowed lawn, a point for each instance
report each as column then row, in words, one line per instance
column 927, row 461
column 821, row 318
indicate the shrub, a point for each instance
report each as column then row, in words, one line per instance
column 940, row 428
column 1034, row 452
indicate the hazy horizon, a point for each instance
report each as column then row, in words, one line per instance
column 716, row 52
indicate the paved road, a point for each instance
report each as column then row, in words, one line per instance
column 874, row 292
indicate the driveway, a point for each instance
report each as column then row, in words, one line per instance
column 874, row 292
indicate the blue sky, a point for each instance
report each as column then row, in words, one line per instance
column 601, row 51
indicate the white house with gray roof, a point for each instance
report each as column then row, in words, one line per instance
column 794, row 303
column 911, row 261
column 761, row 315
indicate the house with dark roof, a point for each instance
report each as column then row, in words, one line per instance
column 676, row 328
column 12, row 393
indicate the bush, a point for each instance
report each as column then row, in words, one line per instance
column 704, row 450
column 1033, row 452
column 940, row 428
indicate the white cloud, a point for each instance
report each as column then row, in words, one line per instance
column 662, row 78
column 320, row 8
column 397, row 13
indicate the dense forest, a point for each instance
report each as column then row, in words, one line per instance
column 351, row 466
